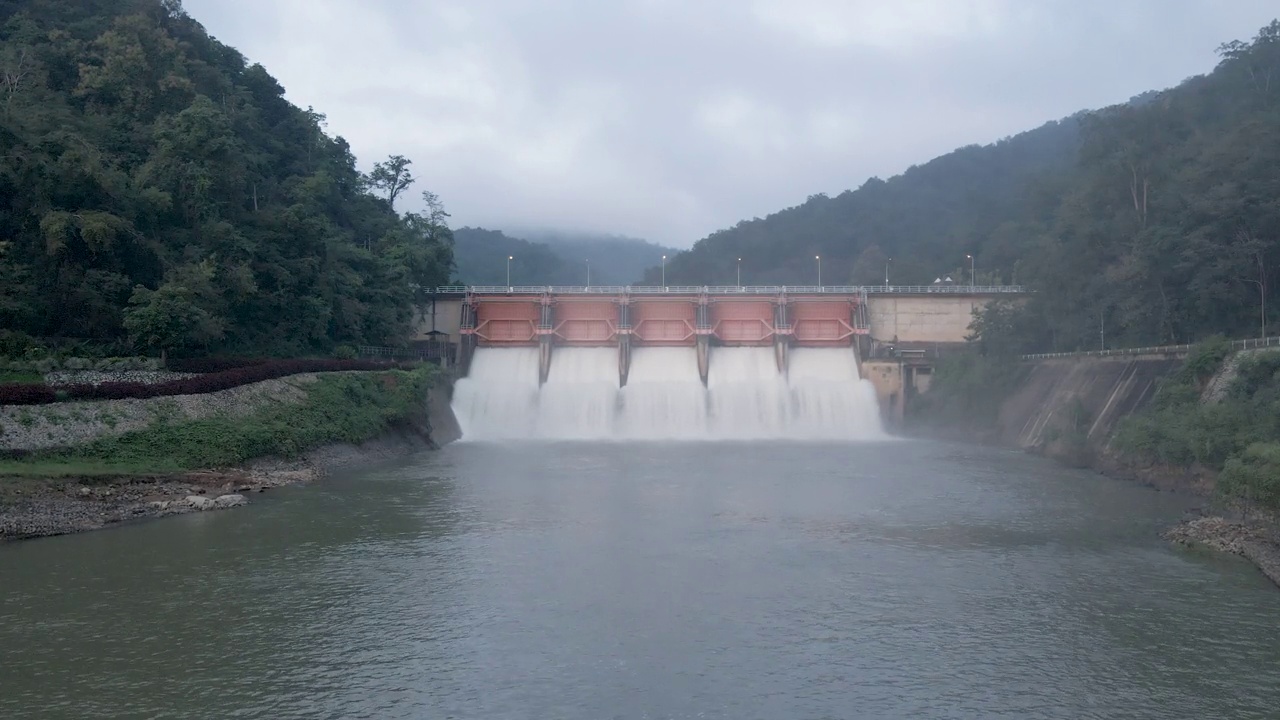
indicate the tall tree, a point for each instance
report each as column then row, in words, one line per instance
column 392, row 177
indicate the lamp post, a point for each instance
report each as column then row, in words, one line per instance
column 588, row 273
column 886, row 271
column 819, row 259
column 973, row 277
column 664, row 272
column 739, row 273
column 509, row 259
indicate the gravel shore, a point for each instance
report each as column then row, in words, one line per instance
column 1260, row 545
column 31, row 508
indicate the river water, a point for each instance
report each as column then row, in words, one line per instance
column 897, row 579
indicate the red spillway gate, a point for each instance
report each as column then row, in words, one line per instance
column 663, row 322
column 507, row 322
column 742, row 322
column 821, row 323
column 586, row 322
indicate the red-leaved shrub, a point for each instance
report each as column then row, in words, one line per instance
column 26, row 394
column 212, row 364
column 197, row 385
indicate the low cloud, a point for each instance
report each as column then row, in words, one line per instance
column 667, row 120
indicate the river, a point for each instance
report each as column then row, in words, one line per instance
column 896, row 579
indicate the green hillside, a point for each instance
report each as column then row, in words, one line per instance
column 1158, row 220
column 158, row 192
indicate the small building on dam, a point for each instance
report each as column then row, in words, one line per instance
column 894, row 334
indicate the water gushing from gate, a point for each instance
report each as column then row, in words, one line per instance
column 745, row 398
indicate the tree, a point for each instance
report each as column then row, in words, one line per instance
column 156, row 187
column 392, row 177
column 177, row 315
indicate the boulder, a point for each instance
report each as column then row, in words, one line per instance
column 160, row 505
column 230, row 501
column 199, row 502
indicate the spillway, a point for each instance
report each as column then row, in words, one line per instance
column 820, row 397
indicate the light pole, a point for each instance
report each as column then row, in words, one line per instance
column 739, row 273
column 886, row 271
column 819, row 259
column 973, row 278
column 509, row 259
column 1261, row 282
column 664, row 272
column 588, row 274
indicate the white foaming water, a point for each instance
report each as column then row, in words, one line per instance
column 664, row 397
column 580, row 398
column 498, row 399
column 745, row 398
column 748, row 395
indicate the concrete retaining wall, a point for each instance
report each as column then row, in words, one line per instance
column 1079, row 400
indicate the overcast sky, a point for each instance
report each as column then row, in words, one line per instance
column 670, row 119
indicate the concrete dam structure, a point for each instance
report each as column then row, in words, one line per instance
column 691, row 317
column 787, row 357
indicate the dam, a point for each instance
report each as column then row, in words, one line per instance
column 677, row 363
column 895, row 333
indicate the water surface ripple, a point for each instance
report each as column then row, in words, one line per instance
column 642, row 580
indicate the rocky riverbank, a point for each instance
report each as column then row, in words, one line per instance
column 1258, row 543
column 31, row 508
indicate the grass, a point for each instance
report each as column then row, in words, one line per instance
column 338, row 408
column 60, row 469
column 20, row 378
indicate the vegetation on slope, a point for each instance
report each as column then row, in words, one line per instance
column 1237, row 435
column 1152, row 222
column 338, row 408
column 158, row 191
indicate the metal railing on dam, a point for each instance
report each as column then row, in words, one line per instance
column 1245, row 344
column 732, row 289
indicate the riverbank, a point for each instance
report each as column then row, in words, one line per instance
column 222, row 460
column 42, row 507
column 1257, row 543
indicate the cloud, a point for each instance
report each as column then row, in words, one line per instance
column 669, row 119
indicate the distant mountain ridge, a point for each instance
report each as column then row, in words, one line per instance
column 552, row 258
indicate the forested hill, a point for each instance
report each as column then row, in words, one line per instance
column 1158, row 219
column 547, row 258
column 926, row 220
column 158, row 192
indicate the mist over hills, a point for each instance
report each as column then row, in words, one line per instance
column 552, row 258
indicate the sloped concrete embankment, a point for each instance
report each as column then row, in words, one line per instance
column 1069, row 408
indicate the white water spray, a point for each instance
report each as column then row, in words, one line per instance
column 746, row 398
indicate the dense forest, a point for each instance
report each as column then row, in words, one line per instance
column 1150, row 222
column 547, row 258
column 158, row 193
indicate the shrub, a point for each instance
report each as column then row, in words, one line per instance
column 1253, row 476
column 212, row 364
column 26, row 394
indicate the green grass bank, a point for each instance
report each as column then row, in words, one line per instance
column 337, row 408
